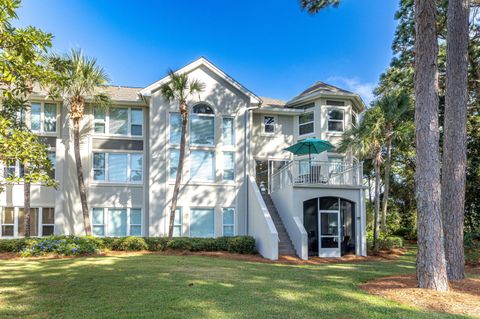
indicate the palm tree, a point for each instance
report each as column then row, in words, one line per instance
column 314, row 6
column 180, row 89
column 79, row 79
column 397, row 125
column 365, row 141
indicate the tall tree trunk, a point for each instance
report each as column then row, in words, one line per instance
column 431, row 268
column 181, row 159
column 455, row 137
column 388, row 163
column 26, row 199
column 81, row 182
column 376, row 222
column 369, row 189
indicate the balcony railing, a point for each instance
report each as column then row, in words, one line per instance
column 316, row 173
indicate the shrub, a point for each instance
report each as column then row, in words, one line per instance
column 60, row 245
column 472, row 248
column 130, row 243
column 156, row 243
column 12, row 245
column 385, row 242
column 238, row 244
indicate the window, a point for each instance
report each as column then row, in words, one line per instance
column 53, row 159
column 35, row 115
column 33, row 222
column 269, row 124
column 229, row 222
column 48, row 221
column 202, row 222
column 7, row 221
column 335, row 120
column 305, row 123
column 117, row 222
column 228, row 166
column 135, row 222
column 178, row 223
column 136, row 125
column 10, row 167
column 228, row 135
column 174, row 158
column 118, row 167
column 354, row 119
column 99, row 119
column 202, row 165
column 118, row 121
column 98, row 222
column 202, row 125
column 175, row 128
column 43, row 117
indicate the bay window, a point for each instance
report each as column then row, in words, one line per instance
column 202, row 165
column 229, row 222
column 335, row 120
column 118, row 167
column 116, row 222
column 306, row 123
column 202, row 222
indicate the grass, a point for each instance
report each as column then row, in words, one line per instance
column 157, row 286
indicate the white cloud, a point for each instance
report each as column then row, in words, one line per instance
column 365, row 90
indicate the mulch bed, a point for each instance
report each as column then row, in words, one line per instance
column 462, row 299
column 290, row 260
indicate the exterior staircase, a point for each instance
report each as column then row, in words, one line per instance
column 285, row 246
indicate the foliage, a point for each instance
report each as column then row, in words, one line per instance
column 385, row 242
column 314, row 6
column 130, row 243
column 472, row 248
column 59, row 245
column 238, row 244
column 156, row 243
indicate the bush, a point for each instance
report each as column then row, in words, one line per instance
column 385, row 242
column 60, row 245
column 12, row 245
column 472, row 248
column 156, row 243
column 238, row 244
column 130, row 243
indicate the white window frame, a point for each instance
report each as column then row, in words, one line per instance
column 40, row 221
column 105, row 220
column 233, row 132
column 15, row 221
column 275, row 121
column 169, row 163
column 170, row 127
column 190, row 220
column 232, row 225
column 337, row 121
column 306, row 123
column 223, row 167
column 106, row 122
column 42, row 118
column 179, row 225
column 15, row 224
column 129, row 221
column 214, row 168
column 203, row 115
column 129, row 168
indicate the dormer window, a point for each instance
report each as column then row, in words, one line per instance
column 202, row 125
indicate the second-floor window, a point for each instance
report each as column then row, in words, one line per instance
column 118, row 121
column 43, row 117
column 335, row 120
column 305, row 123
column 118, row 167
column 202, row 165
column 269, row 124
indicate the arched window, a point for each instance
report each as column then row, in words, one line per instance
column 202, row 125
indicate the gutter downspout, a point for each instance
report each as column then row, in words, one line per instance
column 246, row 166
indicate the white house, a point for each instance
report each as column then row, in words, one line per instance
column 237, row 178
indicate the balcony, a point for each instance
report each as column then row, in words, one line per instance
column 316, row 173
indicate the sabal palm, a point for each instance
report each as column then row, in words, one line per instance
column 80, row 78
column 180, row 88
column 365, row 141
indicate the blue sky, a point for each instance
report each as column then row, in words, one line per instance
column 270, row 46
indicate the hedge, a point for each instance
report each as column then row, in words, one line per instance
column 385, row 242
column 472, row 248
column 64, row 245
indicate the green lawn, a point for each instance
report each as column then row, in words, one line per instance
column 156, row 286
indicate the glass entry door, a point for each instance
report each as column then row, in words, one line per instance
column 329, row 222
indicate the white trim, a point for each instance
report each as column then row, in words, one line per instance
column 334, row 108
column 128, row 224
column 275, row 125
column 16, row 215
column 306, row 123
column 191, row 209
column 234, row 223
column 106, row 155
column 106, row 122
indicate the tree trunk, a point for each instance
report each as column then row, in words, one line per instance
column 431, row 268
column 455, row 137
column 376, row 221
column 369, row 189
column 181, row 159
column 81, row 182
column 386, row 184
column 26, row 200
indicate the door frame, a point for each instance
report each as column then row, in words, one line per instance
column 329, row 252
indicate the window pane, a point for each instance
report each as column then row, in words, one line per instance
column 47, row 230
column 7, row 215
column 175, row 128
column 329, row 203
column 117, row 222
column 335, row 115
column 135, row 230
column 269, row 124
column 178, row 217
column 99, row 116
column 201, row 165
column 335, row 126
column 50, row 118
column 202, row 223
column 177, row 231
column 97, row 216
column 305, row 118
column 202, row 130
column 329, row 224
column 52, row 157
column 228, row 166
column 202, row 109
column 137, row 122
column 99, row 166
column 228, row 214
column 136, row 167
column 98, row 230
column 100, row 128
column 35, row 116
column 33, row 222
column 228, row 133
column 117, row 167
column 174, row 158
column 135, row 216
column 228, row 231
column 48, row 215
column 7, row 231
column 306, row 129
column 118, row 121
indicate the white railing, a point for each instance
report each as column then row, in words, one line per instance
column 316, row 173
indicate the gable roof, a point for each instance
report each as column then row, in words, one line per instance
column 268, row 101
column 192, row 66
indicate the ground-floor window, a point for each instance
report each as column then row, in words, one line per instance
column 229, row 222
column 202, row 222
column 117, row 222
column 178, row 223
column 42, row 221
